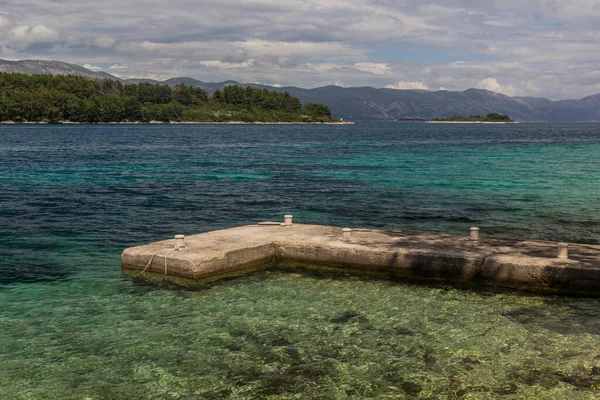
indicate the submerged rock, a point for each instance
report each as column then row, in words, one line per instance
column 403, row 331
column 293, row 353
column 525, row 315
column 411, row 388
column 511, row 388
column 348, row 316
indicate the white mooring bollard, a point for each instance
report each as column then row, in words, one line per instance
column 288, row 220
column 346, row 235
column 563, row 251
column 179, row 242
column 474, row 233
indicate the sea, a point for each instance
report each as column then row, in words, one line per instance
column 72, row 326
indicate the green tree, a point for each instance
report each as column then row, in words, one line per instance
column 218, row 96
column 234, row 94
column 183, row 94
column 319, row 110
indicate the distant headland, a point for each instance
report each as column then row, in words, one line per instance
column 68, row 99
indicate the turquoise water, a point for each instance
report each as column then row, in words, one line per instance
column 72, row 327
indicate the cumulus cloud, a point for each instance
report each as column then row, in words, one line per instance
column 408, row 85
column 35, row 34
column 116, row 67
column 493, row 85
column 92, row 67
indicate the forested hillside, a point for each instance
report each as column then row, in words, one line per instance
column 37, row 98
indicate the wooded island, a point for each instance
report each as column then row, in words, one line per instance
column 493, row 117
column 68, row 98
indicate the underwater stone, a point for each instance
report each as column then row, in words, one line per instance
column 404, row 331
column 293, row 353
column 348, row 316
column 506, row 390
column 411, row 388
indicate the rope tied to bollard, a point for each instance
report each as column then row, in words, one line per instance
column 160, row 255
column 179, row 244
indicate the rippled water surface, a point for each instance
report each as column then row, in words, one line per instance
column 72, row 197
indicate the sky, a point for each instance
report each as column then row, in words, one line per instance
column 540, row 48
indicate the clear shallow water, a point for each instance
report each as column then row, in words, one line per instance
column 71, row 198
column 279, row 334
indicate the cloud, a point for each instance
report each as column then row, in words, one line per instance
column 499, row 23
column 326, row 67
column 237, row 55
column 105, row 42
column 226, row 65
column 118, row 67
column 493, row 85
column 546, row 47
column 4, row 22
column 374, row 68
column 92, row 67
column 408, row 85
column 36, row 34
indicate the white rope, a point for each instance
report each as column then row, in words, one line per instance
column 161, row 255
column 172, row 251
column 149, row 262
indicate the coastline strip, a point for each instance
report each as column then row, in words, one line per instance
column 179, row 123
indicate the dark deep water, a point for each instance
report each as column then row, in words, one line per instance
column 72, row 197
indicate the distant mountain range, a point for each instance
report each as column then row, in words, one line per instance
column 50, row 67
column 367, row 103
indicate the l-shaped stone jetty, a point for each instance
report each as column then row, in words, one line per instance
column 573, row 268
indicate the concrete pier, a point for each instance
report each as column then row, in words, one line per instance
column 507, row 262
